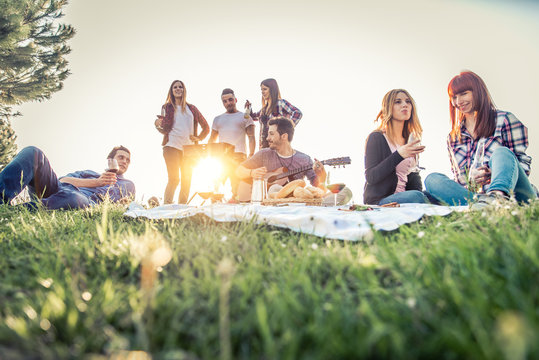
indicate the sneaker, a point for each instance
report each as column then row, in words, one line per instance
column 488, row 199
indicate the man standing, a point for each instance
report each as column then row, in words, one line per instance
column 75, row 190
column 231, row 128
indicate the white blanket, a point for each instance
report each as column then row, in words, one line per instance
column 329, row 222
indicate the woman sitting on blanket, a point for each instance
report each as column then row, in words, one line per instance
column 390, row 158
column 273, row 106
column 487, row 148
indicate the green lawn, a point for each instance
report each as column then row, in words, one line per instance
column 82, row 284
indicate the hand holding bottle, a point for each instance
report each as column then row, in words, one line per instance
column 248, row 110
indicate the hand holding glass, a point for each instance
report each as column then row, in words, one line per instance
column 412, row 138
column 112, row 166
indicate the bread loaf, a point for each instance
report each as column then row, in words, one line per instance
column 317, row 192
column 289, row 188
column 302, row 193
column 275, row 188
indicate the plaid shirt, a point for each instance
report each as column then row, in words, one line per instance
column 283, row 108
column 509, row 132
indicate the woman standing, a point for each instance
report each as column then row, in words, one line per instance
column 272, row 106
column 178, row 123
column 475, row 120
column 389, row 157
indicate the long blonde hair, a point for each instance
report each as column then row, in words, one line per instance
column 172, row 100
column 386, row 115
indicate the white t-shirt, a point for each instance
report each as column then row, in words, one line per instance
column 183, row 127
column 231, row 128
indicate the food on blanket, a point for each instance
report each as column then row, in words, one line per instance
column 302, row 193
column 274, row 189
column 391, row 204
column 289, row 188
column 360, row 207
column 153, row 202
column 317, row 192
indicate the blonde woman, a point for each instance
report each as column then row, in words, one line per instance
column 389, row 157
column 178, row 123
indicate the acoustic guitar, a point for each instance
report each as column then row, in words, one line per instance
column 280, row 176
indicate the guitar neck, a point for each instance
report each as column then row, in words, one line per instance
column 291, row 172
column 332, row 162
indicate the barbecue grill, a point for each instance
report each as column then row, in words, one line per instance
column 195, row 151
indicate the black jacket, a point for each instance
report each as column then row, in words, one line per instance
column 380, row 170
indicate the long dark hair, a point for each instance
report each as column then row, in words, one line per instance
column 485, row 110
column 269, row 106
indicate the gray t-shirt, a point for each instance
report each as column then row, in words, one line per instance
column 272, row 161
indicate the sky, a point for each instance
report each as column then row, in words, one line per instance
column 333, row 60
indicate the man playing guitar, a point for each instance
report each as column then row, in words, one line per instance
column 280, row 155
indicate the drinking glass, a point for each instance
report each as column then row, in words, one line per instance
column 414, row 137
column 478, row 161
column 335, row 189
column 112, row 166
column 259, row 191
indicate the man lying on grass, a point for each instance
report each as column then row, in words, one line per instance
column 75, row 190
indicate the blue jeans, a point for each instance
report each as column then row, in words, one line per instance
column 32, row 168
column 507, row 175
column 409, row 196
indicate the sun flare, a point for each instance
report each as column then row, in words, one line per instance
column 208, row 176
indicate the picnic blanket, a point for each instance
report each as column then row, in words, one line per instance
column 328, row 222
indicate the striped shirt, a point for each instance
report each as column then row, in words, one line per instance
column 509, row 132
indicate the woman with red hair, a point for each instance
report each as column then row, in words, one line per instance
column 480, row 131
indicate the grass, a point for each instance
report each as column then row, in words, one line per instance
column 82, row 284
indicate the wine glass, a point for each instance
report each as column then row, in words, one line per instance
column 112, row 166
column 335, row 189
column 412, row 138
